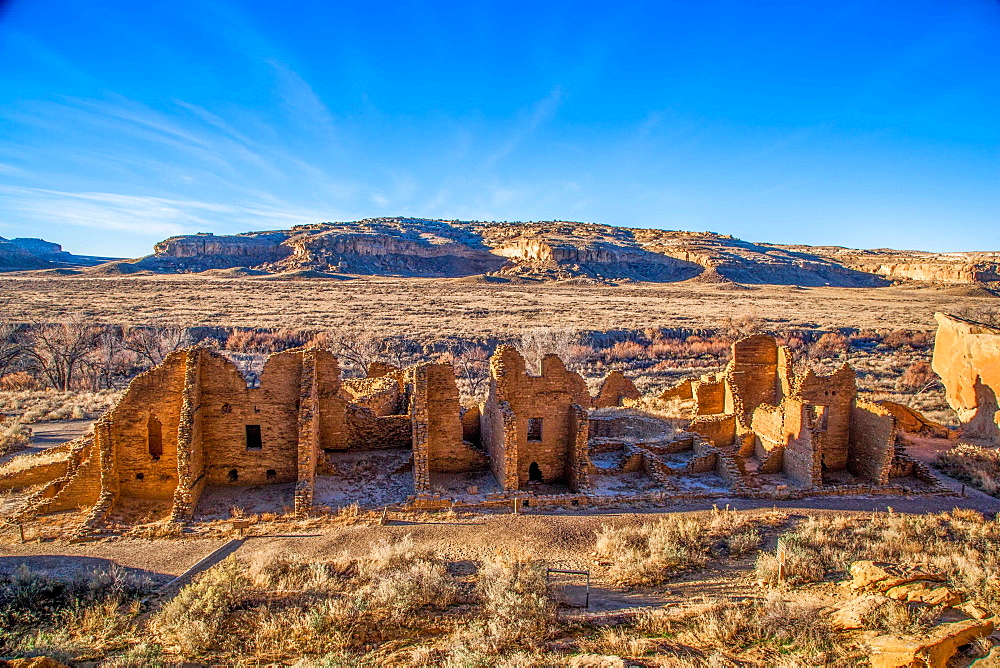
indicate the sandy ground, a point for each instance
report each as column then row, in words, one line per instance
column 444, row 307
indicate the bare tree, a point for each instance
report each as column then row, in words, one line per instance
column 535, row 344
column 152, row 343
column 471, row 362
column 59, row 350
column 11, row 347
column 740, row 325
column 108, row 360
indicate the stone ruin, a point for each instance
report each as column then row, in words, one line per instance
column 192, row 429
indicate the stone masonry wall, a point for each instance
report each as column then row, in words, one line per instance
column 873, row 436
column 154, row 397
column 228, row 406
column 548, row 397
column 614, row 388
column 836, row 392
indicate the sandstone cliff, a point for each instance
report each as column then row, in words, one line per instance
column 554, row 251
column 26, row 254
column 967, row 357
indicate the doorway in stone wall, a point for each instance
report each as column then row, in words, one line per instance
column 534, row 473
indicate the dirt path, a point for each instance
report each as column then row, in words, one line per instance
column 45, row 435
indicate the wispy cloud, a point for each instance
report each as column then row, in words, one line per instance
column 149, row 214
column 541, row 112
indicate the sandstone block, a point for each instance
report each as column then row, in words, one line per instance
column 931, row 651
column 883, row 576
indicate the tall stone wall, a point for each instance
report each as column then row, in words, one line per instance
column 154, row 405
column 967, row 358
column 873, row 438
column 228, row 407
column 437, row 426
column 836, row 393
column 544, row 403
column 752, row 376
column 332, row 406
column 802, row 461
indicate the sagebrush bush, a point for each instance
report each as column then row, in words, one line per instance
column 190, row 623
column 650, row 553
column 13, row 436
column 515, row 600
column 976, row 465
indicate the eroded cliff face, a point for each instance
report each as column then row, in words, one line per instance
column 557, row 250
column 967, row 358
column 207, row 251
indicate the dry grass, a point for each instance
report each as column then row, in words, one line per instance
column 88, row 613
column 422, row 306
column 22, row 462
column 13, row 436
column 652, row 553
column 974, row 464
column 962, row 544
column 45, row 405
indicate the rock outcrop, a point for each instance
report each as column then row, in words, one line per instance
column 555, row 250
column 967, row 358
column 29, row 254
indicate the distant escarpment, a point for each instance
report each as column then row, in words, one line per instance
column 27, row 253
column 553, row 251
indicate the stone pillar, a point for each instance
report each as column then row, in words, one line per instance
column 308, row 434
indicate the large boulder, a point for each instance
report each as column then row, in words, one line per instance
column 930, row 651
column 967, row 357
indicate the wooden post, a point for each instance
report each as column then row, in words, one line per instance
column 385, row 517
column 515, row 505
column 781, row 561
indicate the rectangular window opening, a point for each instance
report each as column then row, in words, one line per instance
column 253, row 437
column 534, row 429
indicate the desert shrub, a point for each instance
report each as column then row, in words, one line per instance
column 973, row 464
column 40, row 405
column 13, row 436
column 515, row 601
column 406, row 590
column 744, row 542
column 624, row 351
column 917, row 376
column 19, row 381
column 901, row 338
column 793, row 626
column 650, row 553
column 42, row 611
column 831, row 344
column 190, row 623
column 898, row 618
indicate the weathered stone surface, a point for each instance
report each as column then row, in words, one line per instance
column 967, row 357
column 931, row 651
column 883, row 576
column 924, row 592
column 973, row 610
column 991, row 660
column 852, row 614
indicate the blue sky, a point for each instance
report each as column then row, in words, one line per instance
column 865, row 124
